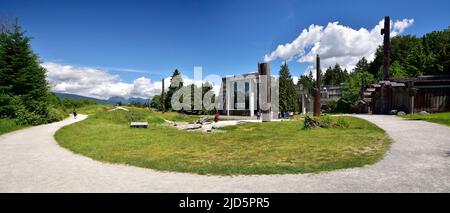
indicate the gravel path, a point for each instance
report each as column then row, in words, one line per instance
column 418, row 161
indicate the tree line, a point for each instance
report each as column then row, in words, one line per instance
column 176, row 83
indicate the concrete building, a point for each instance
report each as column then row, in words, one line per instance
column 327, row 93
column 242, row 95
column 238, row 95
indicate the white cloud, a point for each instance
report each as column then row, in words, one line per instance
column 295, row 79
column 98, row 83
column 335, row 43
column 400, row 26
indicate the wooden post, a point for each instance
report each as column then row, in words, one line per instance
column 265, row 93
column 163, row 107
column 386, row 31
column 412, row 93
column 317, row 90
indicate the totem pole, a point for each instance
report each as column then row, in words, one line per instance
column 386, row 31
column 317, row 89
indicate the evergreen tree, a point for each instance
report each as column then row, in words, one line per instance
column 356, row 83
column 362, row 65
column 156, row 102
column 287, row 93
column 335, row 76
column 206, row 87
column 306, row 81
column 176, row 82
column 22, row 79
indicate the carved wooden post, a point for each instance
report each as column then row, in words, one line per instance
column 163, row 107
column 386, row 31
column 265, row 92
column 317, row 89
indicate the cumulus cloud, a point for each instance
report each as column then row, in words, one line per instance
column 96, row 83
column 99, row 83
column 335, row 43
column 401, row 25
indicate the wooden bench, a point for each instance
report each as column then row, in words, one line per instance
column 139, row 124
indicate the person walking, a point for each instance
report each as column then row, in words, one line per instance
column 74, row 114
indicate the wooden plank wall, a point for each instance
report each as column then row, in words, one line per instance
column 432, row 100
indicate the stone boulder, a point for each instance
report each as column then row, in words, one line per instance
column 401, row 113
column 393, row 112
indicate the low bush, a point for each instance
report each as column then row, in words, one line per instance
column 325, row 121
column 24, row 117
column 332, row 106
column 342, row 123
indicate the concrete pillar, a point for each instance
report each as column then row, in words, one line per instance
column 163, row 107
column 252, row 98
column 228, row 95
column 303, row 104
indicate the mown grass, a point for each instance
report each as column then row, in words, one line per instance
column 440, row 118
column 9, row 125
column 251, row 148
column 92, row 109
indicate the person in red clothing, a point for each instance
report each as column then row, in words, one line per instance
column 216, row 117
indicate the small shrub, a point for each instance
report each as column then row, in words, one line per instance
column 134, row 116
column 24, row 117
column 55, row 115
column 332, row 106
column 342, row 123
column 325, row 121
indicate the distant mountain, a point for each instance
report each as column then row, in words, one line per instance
column 112, row 100
column 79, row 97
column 139, row 100
column 126, row 101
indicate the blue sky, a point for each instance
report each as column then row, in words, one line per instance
column 224, row 37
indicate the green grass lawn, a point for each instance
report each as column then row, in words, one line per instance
column 251, row 148
column 440, row 118
column 9, row 125
column 92, row 109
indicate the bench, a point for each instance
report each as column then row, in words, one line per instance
column 138, row 124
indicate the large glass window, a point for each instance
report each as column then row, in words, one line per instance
column 247, row 95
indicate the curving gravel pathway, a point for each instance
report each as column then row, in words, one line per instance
column 418, row 161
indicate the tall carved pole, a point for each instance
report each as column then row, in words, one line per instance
column 317, row 90
column 265, row 91
column 163, row 107
column 386, row 31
